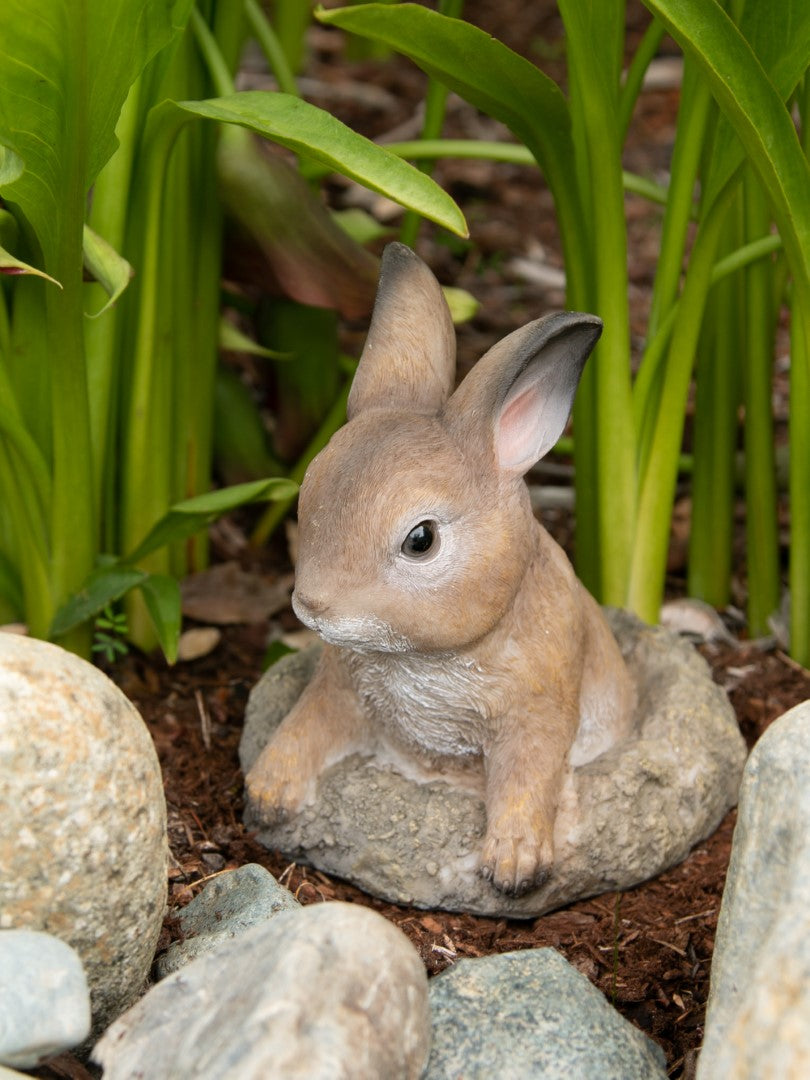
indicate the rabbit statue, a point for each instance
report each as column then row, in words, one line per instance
column 455, row 628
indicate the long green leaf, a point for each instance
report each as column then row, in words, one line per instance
column 310, row 131
column 104, row 585
column 782, row 46
column 496, row 80
column 162, row 596
column 187, row 517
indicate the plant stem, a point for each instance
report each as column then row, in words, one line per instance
column 659, row 475
column 762, row 530
column 510, row 154
column 800, row 479
column 272, row 48
column 73, row 511
column 435, row 104
column 693, row 117
column 108, row 216
column 715, row 428
column 594, row 86
column 648, row 47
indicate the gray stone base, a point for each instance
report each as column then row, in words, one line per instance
column 628, row 815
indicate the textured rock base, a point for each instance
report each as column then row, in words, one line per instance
column 624, row 817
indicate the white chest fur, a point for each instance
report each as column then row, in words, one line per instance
column 436, row 704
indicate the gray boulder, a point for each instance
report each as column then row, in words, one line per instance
column 229, row 905
column 327, row 992
column 758, row 1014
column 44, row 1000
column 531, row 1014
column 83, row 829
column 624, row 817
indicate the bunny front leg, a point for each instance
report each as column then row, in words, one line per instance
column 525, row 766
column 326, row 724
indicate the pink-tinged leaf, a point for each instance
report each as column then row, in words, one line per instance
column 308, row 257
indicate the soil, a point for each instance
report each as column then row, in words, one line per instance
column 648, row 949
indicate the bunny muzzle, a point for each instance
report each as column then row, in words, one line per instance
column 362, row 633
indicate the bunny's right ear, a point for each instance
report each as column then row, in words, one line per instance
column 519, row 395
column 409, row 358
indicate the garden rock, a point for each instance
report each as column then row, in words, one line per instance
column 44, row 1000
column 758, row 1016
column 624, row 817
column 531, row 1013
column 83, row 828
column 329, row 991
column 229, row 905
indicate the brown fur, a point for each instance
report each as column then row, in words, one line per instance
column 488, row 653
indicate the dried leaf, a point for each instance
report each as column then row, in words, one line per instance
column 226, row 595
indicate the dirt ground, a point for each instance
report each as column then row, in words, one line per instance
column 649, row 948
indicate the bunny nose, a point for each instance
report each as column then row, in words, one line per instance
column 307, row 607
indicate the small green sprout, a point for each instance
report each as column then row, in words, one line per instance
column 110, row 630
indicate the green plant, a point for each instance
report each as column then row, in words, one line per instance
column 743, row 70
column 110, row 634
column 105, row 421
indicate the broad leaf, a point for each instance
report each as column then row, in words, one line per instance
column 188, row 517
column 481, row 70
column 105, row 585
column 65, row 70
column 316, row 134
column 109, row 269
column 162, row 596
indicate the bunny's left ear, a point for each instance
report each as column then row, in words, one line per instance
column 518, row 397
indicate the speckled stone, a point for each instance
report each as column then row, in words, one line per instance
column 328, row 991
column 531, row 1014
column 624, row 817
column 758, row 1014
column 83, row 828
column 228, row 906
column 44, row 1000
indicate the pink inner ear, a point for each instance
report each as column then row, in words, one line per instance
column 516, row 439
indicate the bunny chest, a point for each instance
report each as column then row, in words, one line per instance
column 434, row 704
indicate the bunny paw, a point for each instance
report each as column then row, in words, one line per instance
column 277, row 786
column 516, row 865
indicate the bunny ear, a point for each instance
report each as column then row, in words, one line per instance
column 523, row 389
column 410, row 353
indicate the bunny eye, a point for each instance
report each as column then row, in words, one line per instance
column 421, row 540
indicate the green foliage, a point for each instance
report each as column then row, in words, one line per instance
column 107, row 385
column 739, row 82
column 110, row 633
